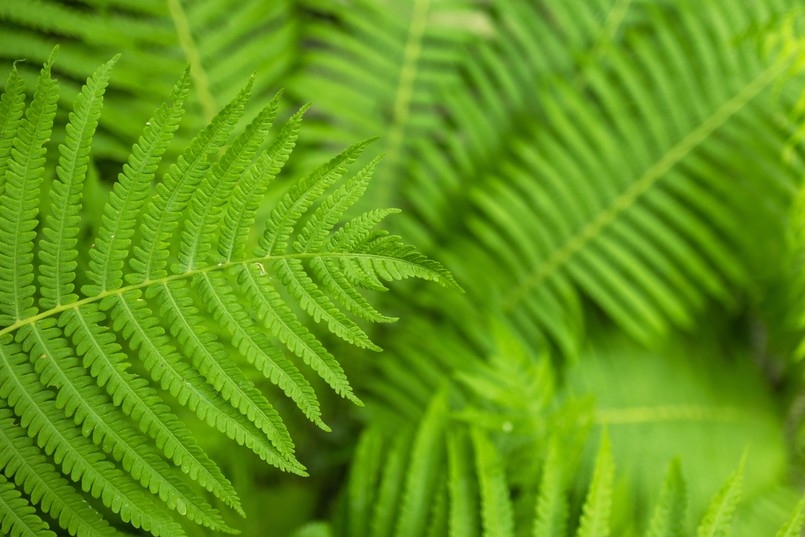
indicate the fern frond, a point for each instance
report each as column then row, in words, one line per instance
column 59, row 236
column 669, row 515
column 12, row 106
column 717, row 520
column 363, row 481
column 208, row 200
column 377, row 69
column 17, row 517
column 242, row 208
column 261, row 352
column 598, row 504
column 462, row 490
column 210, row 359
column 552, row 510
column 83, row 400
column 159, row 39
column 174, row 375
column 103, row 360
column 20, row 201
column 426, row 462
column 130, row 191
column 22, row 462
column 175, row 191
column 69, row 367
column 77, row 456
column 496, row 510
column 793, row 526
column 392, row 484
column 580, row 192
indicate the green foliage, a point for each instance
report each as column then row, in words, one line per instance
column 616, row 184
column 66, row 373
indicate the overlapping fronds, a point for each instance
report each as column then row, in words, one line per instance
column 512, row 416
column 224, row 43
column 472, row 495
column 375, row 68
column 77, row 332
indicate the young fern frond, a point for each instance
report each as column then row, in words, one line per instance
column 68, row 360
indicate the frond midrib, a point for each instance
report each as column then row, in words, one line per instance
column 120, row 291
column 669, row 413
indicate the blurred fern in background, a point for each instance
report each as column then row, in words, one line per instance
column 616, row 184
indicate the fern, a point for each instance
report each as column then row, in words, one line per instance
column 718, row 519
column 596, row 511
column 221, row 41
column 485, row 484
column 668, row 517
column 380, row 68
column 618, row 178
column 69, row 358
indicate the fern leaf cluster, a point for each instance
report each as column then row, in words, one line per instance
column 166, row 257
column 611, row 180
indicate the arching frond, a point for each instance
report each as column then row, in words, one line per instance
column 69, row 360
column 619, row 179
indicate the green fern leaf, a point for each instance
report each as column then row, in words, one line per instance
column 551, row 511
column 363, row 481
column 167, row 368
column 12, row 106
column 496, row 509
column 211, row 360
column 793, row 526
column 130, row 192
column 285, row 325
column 296, row 202
column 59, row 236
column 598, row 504
column 31, row 471
column 462, row 489
column 717, row 521
column 85, row 402
column 17, row 517
column 103, row 359
column 242, row 208
column 261, row 352
column 78, row 457
column 421, row 479
column 20, row 201
column 392, row 484
column 669, row 515
column 207, row 204
column 175, row 191
column 67, row 369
